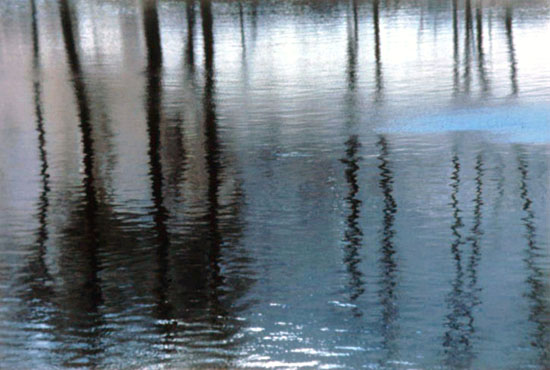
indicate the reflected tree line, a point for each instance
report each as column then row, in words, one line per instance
column 459, row 340
column 353, row 233
column 38, row 275
column 81, row 272
column 189, row 282
column 388, row 262
column 470, row 28
column 464, row 296
column 538, row 278
column 474, row 46
column 466, row 250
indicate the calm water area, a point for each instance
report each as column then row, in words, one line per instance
column 328, row 184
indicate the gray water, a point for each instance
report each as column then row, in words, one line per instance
column 275, row 184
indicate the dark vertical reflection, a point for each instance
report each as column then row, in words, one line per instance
column 353, row 37
column 152, row 36
column 244, row 63
column 153, row 111
column 44, row 176
column 353, row 233
column 85, row 291
column 462, row 299
column 475, row 235
column 377, row 53
column 39, row 275
column 420, row 27
column 191, row 291
column 241, row 25
column 176, row 154
column 456, row 52
column 212, row 150
column 537, row 279
column 456, row 341
column 201, row 294
column 490, row 26
column 92, row 285
column 190, row 46
column 208, row 44
column 355, row 20
column 511, row 50
column 500, row 184
column 388, row 264
column 480, row 52
column 468, row 25
column 254, row 18
column 35, row 49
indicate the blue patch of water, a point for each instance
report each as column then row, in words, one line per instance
column 524, row 124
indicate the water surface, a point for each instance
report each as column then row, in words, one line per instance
column 274, row 184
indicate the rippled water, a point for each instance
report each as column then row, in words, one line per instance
column 275, row 184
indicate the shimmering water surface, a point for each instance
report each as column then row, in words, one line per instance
column 275, row 184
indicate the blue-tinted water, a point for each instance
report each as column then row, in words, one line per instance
column 289, row 184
